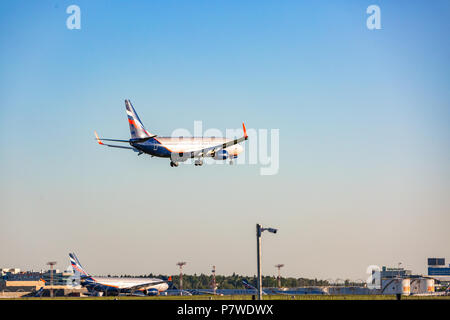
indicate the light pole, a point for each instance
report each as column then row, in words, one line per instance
column 181, row 264
column 279, row 266
column 51, row 264
column 214, row 287
column 259, row 231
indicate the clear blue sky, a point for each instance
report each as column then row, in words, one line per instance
column 363, row 118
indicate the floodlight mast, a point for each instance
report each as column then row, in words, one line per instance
column 51, row 264
column 279, row 266
column 214, row 285
column 259, row 230
column 181, row 264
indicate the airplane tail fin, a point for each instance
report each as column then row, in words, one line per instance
column 76, row 265
column 248, row 286
column 137, row 129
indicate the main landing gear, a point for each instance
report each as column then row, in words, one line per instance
column 198, row 162
column 173, row 164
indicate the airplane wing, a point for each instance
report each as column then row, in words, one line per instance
column 206, row 151
column 100, row 141
column 198, row 291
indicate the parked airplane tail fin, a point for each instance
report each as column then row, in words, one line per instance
column 137, row 129
column 248, row 286
column 76, row 265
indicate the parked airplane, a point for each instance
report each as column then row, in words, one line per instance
column 178, row 149
column 38, row 293
column 248, row 286
column 117, row 286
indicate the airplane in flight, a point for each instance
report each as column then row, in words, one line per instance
column 117, row 286
column 177, row 149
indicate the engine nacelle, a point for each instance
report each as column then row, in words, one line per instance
column 152, row 292
column 221, row 155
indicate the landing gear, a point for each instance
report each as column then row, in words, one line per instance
column 173, row 164
column 231, row 162
column 198, row 162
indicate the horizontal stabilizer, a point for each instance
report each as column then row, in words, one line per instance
column 116, row 140
column 100, row 141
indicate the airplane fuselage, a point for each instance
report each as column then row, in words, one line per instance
column 123, row 285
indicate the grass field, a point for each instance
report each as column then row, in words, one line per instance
column 249, row 297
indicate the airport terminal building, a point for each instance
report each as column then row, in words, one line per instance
column 438, row 270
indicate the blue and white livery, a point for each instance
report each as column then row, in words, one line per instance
column 177, row 149
column 117, row 286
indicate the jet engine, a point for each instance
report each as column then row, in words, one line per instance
column 152, row 292
column 220, row 155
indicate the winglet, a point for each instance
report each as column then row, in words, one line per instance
column 245, row 131
column 98, row 139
